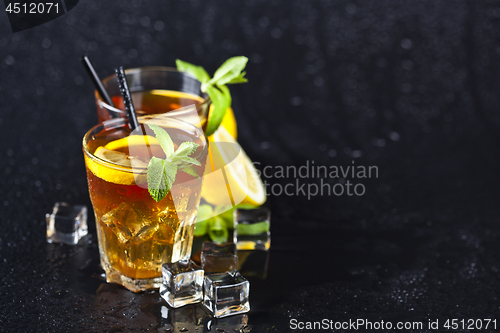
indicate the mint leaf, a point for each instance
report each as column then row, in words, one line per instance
column 239, row 79
column 229, row 70
column 201, row 228
column 186, row 159
column 165, row 142
column 205, row 214
column 221, row 99
column 217, row 222
column 156, row 181
column 217, row 230
column 190, row 170
column 199, row 72
column 226, row 213
column 252, row 229
column 169, row 172
column 161, row 173
column 186, row 148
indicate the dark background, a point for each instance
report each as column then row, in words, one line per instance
column 409, row 86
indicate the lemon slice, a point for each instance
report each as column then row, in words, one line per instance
column 239, row 178
column 116, row 174
column 132, row 140
column 229, row 122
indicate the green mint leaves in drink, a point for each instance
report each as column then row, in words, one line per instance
column 230, row 72
column 162, row 172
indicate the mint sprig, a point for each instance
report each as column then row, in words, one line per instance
column 162, row 172
column 216, row 221
column 230, row 72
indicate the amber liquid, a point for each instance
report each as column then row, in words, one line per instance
column 137, row 234
column 157, row 102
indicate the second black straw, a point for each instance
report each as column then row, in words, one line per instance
column 127, row 98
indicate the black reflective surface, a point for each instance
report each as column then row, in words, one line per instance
column 410, row 87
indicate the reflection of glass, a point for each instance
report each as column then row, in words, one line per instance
column 154, row 90
column 137, row 234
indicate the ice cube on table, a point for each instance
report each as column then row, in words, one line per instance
column 252, row 229
column 226, row 294
column 218, row 258
column 67, row 223
column 182, row 283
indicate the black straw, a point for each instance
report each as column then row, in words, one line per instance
column 127, row 98
column 97, row 82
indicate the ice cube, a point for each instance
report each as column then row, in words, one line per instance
column 226, row 294
column 118, row 220
column 217, row 258
column 252, row 229
column 67, row 224
column 146, row 232
column 127, row 224
column 182, row 283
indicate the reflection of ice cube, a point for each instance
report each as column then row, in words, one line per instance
column 252, row 229
column 67, row 223
column 182, row 283
column 230, row 324
column 226, row 294
column 119, row 220
column 217, row 258
column 189, row 318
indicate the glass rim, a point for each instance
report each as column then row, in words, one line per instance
column 120, row 122
column 135, row 70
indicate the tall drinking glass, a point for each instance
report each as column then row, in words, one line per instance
column 136, row 234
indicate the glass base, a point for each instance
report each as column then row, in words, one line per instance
column 135, row 285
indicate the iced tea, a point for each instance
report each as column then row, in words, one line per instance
column 136, row 234
column 155, row 90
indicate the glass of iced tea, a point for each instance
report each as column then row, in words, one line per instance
column 155, row 90
column 136, row 234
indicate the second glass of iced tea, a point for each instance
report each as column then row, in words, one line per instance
column 136, row 234
column 155, row 90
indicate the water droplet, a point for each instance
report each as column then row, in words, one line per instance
column 78, row 80
column 9, row 60
column 318, row 81
column 394, row 136
column 264, row 22
column 46, row 43
column 350, row 9
column 406, row 43
column 379, row 142
column 159, row 25
column 145, row 21
column 132, row 53
column 356, row 154
column 296, row 101
column 276, row 33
